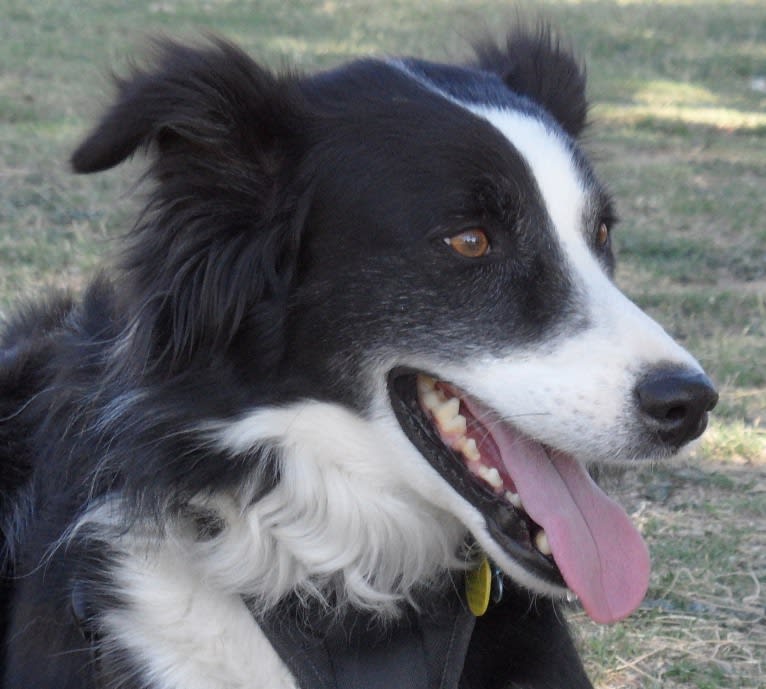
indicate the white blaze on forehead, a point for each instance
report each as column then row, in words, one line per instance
column 551, row 163
column 545, row 149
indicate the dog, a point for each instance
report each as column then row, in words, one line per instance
column 329, row 419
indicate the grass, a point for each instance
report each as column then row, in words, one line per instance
column 701, row 624
column 679, row 133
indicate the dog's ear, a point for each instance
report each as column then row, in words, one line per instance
column 219, row 236
column 533, row 63
column 211, row 101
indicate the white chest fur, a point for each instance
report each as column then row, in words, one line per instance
column 184, row 635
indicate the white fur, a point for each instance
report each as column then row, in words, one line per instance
column 348, row 512
column 185, row 633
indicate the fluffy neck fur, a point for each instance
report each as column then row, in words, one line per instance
column 342, row 525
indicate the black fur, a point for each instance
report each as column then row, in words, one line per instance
column 247, row 281
column 537, row 66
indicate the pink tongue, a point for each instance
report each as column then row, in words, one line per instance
column 599, row 552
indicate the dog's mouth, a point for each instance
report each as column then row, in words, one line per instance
column 541, row 507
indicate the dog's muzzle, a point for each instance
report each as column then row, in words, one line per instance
column 539, row 504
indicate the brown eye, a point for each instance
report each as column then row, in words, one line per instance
column 602, row 236
column 472, row 243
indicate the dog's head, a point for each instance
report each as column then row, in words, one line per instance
column 428, row 247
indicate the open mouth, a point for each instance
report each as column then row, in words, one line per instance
column 540, row 505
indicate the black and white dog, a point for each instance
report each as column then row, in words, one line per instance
column 355, row 355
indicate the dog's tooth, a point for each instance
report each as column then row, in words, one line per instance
column 469, row 449
column 493, row 478
column 541, row 542
column 514, row 499
column 430, row 399
column 425, row 384
column 446, row 412
column 457, row 424
column 490, row 475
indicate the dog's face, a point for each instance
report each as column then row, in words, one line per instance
column 459, row 262
column 429, row 248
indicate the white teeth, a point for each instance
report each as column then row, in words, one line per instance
column 490, row 475
column 456, row 425
column 514, row 499
column 431, row 399
column 469, row 449
column 494, row 479
column 447, row 411
column 541, row 542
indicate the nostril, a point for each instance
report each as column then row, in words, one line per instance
column 676, row 414
column 674, row 402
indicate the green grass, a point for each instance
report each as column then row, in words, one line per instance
column 679, row 133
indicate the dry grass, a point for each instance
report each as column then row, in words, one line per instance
column 703, row 622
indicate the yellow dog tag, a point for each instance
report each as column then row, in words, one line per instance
column 478, row 585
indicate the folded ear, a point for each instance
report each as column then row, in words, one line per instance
column 217, row 241
column 534, row 64
column 213, row 100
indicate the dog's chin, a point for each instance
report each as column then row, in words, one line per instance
column 462, row 453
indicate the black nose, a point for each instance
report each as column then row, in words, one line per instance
column 675, row 402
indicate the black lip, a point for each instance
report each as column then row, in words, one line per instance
column 507, row 527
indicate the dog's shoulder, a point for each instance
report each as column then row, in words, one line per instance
column 41, row 347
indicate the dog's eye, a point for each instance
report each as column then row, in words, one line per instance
column 602, row 236
column 472, row 243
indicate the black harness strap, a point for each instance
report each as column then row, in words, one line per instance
column 424, row 650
